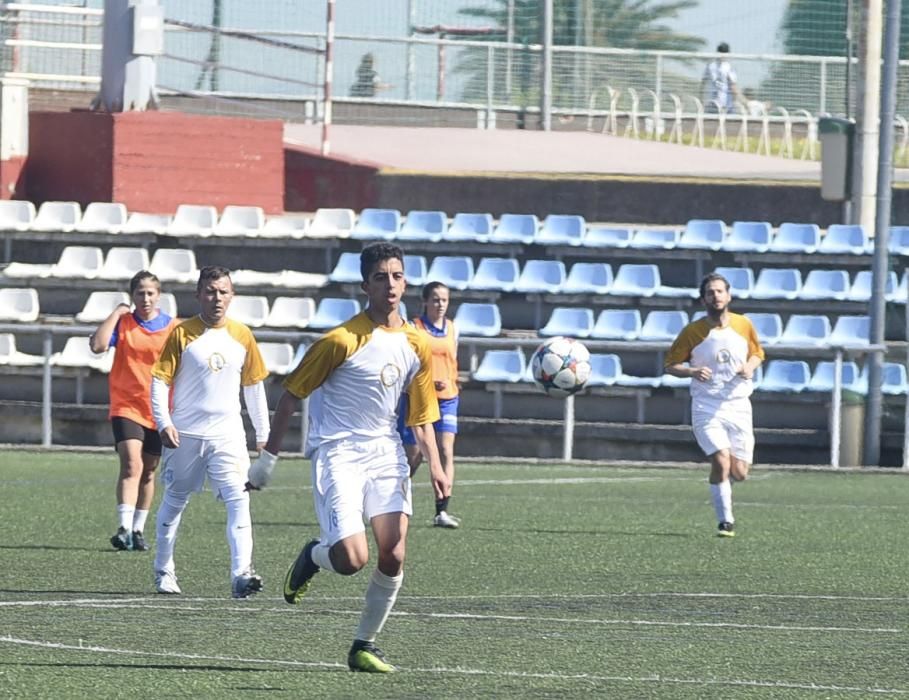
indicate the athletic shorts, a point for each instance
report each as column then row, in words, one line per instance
column 126, row 429
column 356, row 480
column 448, row 423
column 224, row 461
column 729, row 428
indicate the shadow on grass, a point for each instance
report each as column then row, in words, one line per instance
column 58, row 548
column 47, row 591
column 614, row 533
column 171, row 667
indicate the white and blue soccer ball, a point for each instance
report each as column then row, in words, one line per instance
column 561, row 366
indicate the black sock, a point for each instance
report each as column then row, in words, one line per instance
column 441, row 504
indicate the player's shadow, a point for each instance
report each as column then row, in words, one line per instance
column 58, row 591
column 613, row 533
column 55, row 548
column 172, row 667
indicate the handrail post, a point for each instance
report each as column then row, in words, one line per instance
column 836, row 409
column 46, row 393
column 568, row 434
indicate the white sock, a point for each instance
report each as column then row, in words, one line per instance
column 321, row 556
column 380, row 598
column 169, row 514
column 721, row 494
column 125, row 515
column 239, row 535
column 139, row 519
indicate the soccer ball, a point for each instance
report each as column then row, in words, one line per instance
column 561, row 366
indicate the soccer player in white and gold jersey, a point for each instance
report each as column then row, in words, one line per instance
column 205, row 362
column 720, row 353
column 354, row 376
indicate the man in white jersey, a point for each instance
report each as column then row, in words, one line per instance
column 354, row 376
column 720, row 83
column 205, row 362
column 720, row 353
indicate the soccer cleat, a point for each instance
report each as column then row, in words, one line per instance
column 366, row 657
column 725, row 529
column 138, row 542
column 300, row 574
column 245, row 585
column 121, row 540
column 443, row 519
column 166, row 582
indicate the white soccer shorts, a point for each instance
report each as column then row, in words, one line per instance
column 354, row 481
column 729, row 428
column 225, row 461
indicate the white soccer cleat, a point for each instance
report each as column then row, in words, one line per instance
column 443, row 519
column 166, row 582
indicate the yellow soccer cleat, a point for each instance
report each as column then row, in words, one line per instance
column 725, row 530
column 366, row 657
column 300, row 574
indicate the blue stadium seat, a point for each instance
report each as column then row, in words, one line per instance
column 898, row 297
column 569, row 321
column 561, row 229
column 845, row 238
column 777, row 283
column 769, row 326
column 605, row 369
column 424, row 226
column 347, row 269
column 851, row 331
column 748, row 237
column 636, row 381
column 861, row 286
column 796, row 238
column 332, row 312
column 894, row 380
column 785, row 376
column 655, row 238
column 469, row 227
column 618, row 324
column 826, row 284
column 298, row 355
column 663, row 325
column 515, row 228
column 501, row 366
column 454, row 271
column 588, row 278
column 741, row 280
column 823, row 377
column 475, row 319
column 899, row 240
column 703, row 234
column 809, row 330
column 607, row 237
column 545, row 276
column 415, row 269
column 636, row 281
column 377, row 224
column 499, row 274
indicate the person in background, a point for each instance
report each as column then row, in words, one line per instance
column 367, row 83
column 720, row 83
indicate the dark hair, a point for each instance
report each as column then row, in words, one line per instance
column 723, row 47
column 712, row 277
column 430, row 287
column 139, row 277
column 377, row 252
column 209, row 273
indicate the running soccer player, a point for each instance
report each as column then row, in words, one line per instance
column 721, row 353
column 354, row 376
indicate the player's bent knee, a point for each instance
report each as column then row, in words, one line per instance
column 349, row 557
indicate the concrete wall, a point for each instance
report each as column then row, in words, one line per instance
column 313, row 181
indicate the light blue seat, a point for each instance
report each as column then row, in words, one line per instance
column 499, row 274
column 899, row 240
column 826, row 284
column 424, row 226
column 569, row 321
column 501, row 366
column 605, row 369
column 469, row 227
column 777, row 283
column 377, row 224
column 861, row 286
column 332, row 312
column 454, row 271
column 415, row 269
column 636, row 281
column 845, row 239
column 894, row 381
column 899, row 294
column 655, row 238
column 703, row 234
column 748, row 237
column 347, row 269
column 544, row 276
column 673, row 382
column 741, row 280
column 618, row 324
column 588, row 278
column 607, row 237
column 515, row 228
column 663, row 325
column 822, row 378
column 561, row 229
column 796, row 238
column 769, row 326
column 786, row 376
column 298, row 355
column 851, row 331
column 636, row 381
column 809, row 330
column 477, row 319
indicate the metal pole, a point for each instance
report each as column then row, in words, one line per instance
column 869, row 124
column 835, row 409
column 411, row 49
column 849, row 50
column 877, row 304
column 906, row 405
column 490, row 78
column 568, row 435
column 329, row 69
column 46, row 393
column 509, row 53
column 546, row 87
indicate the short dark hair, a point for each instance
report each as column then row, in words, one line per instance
column 712, row 277
column 375, row 253
column 430, row 287
column 210, row 273
column 723, row 47
column 139, row 277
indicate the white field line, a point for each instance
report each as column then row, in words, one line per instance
column 656, row 679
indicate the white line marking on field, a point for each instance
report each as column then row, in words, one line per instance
column 734, row 682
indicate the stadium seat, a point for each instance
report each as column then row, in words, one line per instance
column 167, row 303
column 861, row 286
column 78, row 262
column 139, row 222
column 16, row 215
column 823, row 377
column 893, row 379
column 796, row 238
column 636, row 281
column 9, row 355
column 569, row 321
column 605, row 369
column 195, row 220
column 899, row 295
column 825, row 285
column 845, row 239
column 588, row 278
column 123, row 263
column 617, row 324
column 785, row 376
column 331, row 223
column 347, row 269
column 415, row 269
column 748, row 237
column 57, row 216
column 78, row 353
column 476, row 319
column 655, row 238
column 851, row 331
column 291, row 312
column 377, row 224
column 769, row 326
column 103, row 217
column 332, row 312
column 249, row 309
column 663, row 325
column 278, row 357
column 561, row 229
column 899, row 240
column 672, row 382
column 454, row 271
column 469, row 227
column 19, row 305
column 807, row 330
column 515, row 228
column 174, row 265
column 541, row 276
column 498, row 274
column 607, row 237
column 777, row 283
column 240, row 221
column 99, row 305
column 741, row 280
column 424, row 226
column 501, row 366
column 703, row 234
column 298, row 355
column 632, row 380
column 284, row 227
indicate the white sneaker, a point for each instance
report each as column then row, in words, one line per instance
column 443, row 519
column 166, row 582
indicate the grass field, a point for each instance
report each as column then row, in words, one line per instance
column 565, row 581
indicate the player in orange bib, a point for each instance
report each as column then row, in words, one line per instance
column 138, row 336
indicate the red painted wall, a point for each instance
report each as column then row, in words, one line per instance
column 313, row 181
column 12, row 179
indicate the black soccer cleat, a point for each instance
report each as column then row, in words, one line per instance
column 725, row 529
column 299, row 575
column 121, row 540
column 139, row 544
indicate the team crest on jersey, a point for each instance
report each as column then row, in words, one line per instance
column 390, row 374
column 724, row 357
column 216, row 362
